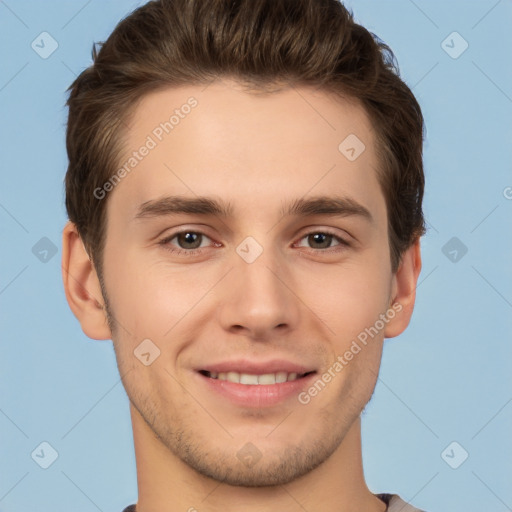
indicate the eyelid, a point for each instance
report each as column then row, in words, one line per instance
column 342, row 241
column 177, row 251
column 311, row 230
column 308, row 230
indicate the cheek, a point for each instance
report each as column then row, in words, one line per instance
column 351, row 298
column 149, row 299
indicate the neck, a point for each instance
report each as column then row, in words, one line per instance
column 166, row 484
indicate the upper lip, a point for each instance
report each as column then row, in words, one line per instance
column 257, row 368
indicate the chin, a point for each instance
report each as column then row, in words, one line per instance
column 266, row 470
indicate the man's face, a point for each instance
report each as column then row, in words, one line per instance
column 256, row 292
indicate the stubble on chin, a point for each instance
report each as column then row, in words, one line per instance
column 212, row 453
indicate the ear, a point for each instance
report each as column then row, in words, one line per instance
column 82, row 286
column 404, row 291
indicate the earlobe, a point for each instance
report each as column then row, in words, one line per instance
column 82, row 287
column 404, row 288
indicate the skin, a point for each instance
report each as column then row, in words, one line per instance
column 301, row 300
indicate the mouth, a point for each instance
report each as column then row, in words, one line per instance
column 252, row 384
column 251, row 379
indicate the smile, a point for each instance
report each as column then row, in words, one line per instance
column 254, row 379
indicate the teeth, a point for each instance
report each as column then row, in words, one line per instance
column 267, row 378
column 281, row 377
column 250, row 379
column 246, row 378
column 233, row 377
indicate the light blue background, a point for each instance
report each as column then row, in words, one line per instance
column 447, row 378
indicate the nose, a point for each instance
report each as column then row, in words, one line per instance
column 259, row 300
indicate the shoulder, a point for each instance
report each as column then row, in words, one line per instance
column 397, row 504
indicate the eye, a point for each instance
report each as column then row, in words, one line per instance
column 189, row 242
column 324, row 239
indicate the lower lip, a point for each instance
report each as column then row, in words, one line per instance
column 257, row 395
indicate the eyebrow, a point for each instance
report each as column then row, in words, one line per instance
column 319, row 205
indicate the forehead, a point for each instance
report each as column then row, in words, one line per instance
column 222, row 140
column 226, row 109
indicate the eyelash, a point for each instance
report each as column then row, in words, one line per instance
column 343, row 244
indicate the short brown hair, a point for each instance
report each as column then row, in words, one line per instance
column 261, row 43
